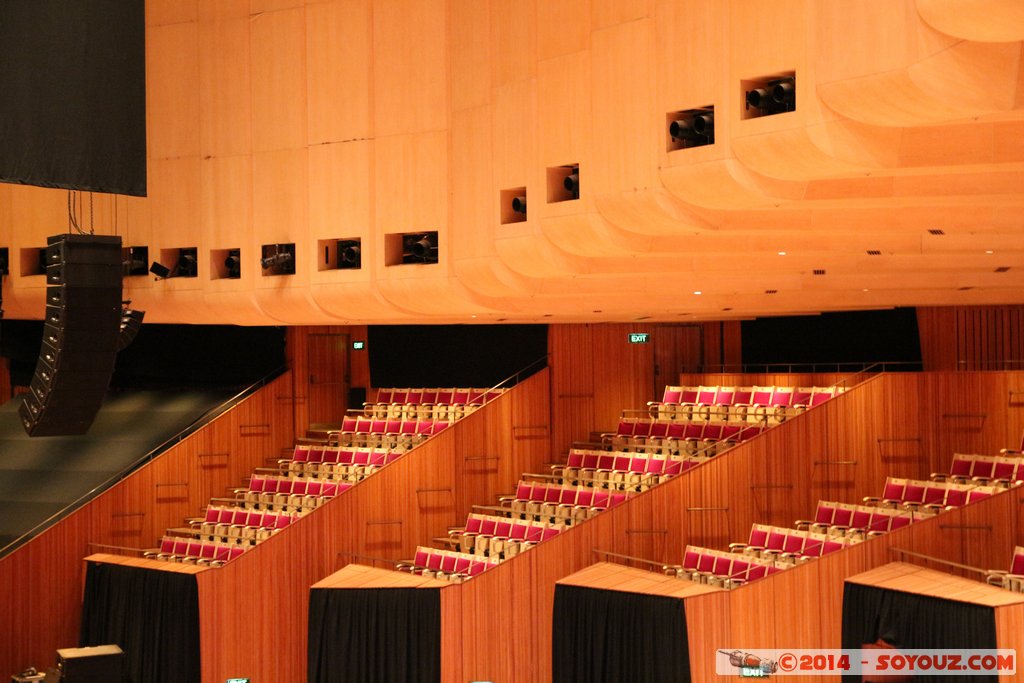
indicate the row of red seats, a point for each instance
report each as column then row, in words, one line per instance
column 694, row 438
column 380, row 432
column 730, row 403
column 1012, row 579
column 285, row 493
column 720, row 568
column 442, row 404
column 338, row 462
column 620, row 469
column 447, row 565
column 913, row 494
column 1003, row 470
column 859, row 521
column 557, row 502
column 230, row 524
column 500, row 537
column 195, row 551
column 789, row 545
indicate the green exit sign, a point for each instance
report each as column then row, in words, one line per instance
column 639, row 337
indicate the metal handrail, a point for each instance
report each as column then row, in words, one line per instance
column 197, row 424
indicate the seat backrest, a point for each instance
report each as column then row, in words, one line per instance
column 414, row 397
column 384, row 395
column 363, row 425
column 503, row 527
column 585, row 497
column 801, row 397
column 782, row 396
column 756, row 571
column 793, row 543
column 705, row 561
column 894, row 489
column 955, row 497
column 689, row 395
column 915, row 491
column 659, row 430
column 575, row 458
column 671, row 395
column 693, row 430
column 348, row 424
column 690, row 559
column 898, row 521
column 723, row 565
column 758, row 536
column 399, row 396
column 712, row 432
column 460, row 397
column 761, row 396
column 1017, row 562
column 1005, row 468
column 961, row 465
column 258, row 483
column 825, row 513
column 724, row 396
column 861, row 518
column 706, row 395
column 742, row 396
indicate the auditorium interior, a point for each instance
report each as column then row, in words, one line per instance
column 508, row 340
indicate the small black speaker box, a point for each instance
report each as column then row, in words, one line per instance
column 91, row 664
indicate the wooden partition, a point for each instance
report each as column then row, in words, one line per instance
column 41, row 582
column 253, row 611
column 802, row 607
column 897, row 425
column 768, row 379
column 971, row 337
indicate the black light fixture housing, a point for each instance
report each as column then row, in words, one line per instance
column 769, row 95
column 5, row 263
column 691, row 128
column 233, row 264
column 572, row 182
column 419, row 247
column 188, row 264
column 131, row 323
column 278, row 259
column 519, row 204
column 133, row 260
column 349, row 254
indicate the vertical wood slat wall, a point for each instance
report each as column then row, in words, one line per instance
column 302, row 366
column 253, row 611
column 892, row 425
column 44, row 577
column 971, row 337
column 596, row 372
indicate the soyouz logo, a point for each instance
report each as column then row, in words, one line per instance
column 874, row 661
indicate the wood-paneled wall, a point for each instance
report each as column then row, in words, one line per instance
column 253, row 611
column 971, row 337
column 898, row 425
column 41, row 582
column 357, row 373
column 597, row 372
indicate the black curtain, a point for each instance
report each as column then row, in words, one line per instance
column 381, row 635
column 73, row 109
column 152, row 615
column 914, row 622
column 603, row 636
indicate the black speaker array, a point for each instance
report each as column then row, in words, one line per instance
column 80, row 335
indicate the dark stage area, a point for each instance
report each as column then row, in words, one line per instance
column 39, row 477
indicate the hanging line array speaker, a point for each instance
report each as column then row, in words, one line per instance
column 80, row 335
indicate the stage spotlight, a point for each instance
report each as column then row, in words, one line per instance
column 278, row 259
column 704, row 124
column 419, row 248
column 757, row 98
column 349, row 255
column 572, row 183
column 784, row 94
column 691, row 128
column 233, row 263
column 187, row 265
column 519, row 205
